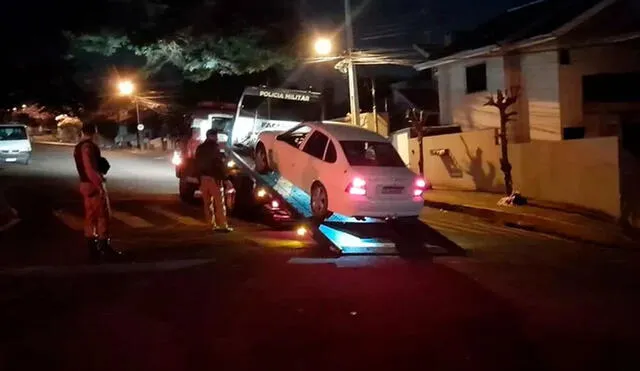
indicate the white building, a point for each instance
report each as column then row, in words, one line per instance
column 571, row 59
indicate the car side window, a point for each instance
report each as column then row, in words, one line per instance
column 331, row 156
column 296, row 136
column 316, row 144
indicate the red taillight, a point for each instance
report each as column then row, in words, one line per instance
column 420, row 185
column 357, row 187
column 275, row 204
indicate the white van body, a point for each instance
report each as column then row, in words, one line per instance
column 15, row 146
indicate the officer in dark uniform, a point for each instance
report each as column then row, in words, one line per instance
column 212, row 169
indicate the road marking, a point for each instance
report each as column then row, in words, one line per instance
column 174, row 216
column 69, row 220
column 57, row 271
column 130, row 219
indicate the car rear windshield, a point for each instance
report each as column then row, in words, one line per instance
column 13, row 133
column 363, row 153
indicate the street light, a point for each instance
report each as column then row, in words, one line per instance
column 323, row 46
column 353, row 77
column 127, row 88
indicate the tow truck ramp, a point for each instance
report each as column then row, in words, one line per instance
column 289, row 205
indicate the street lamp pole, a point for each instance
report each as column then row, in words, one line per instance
column 127, row 88
column 135, row 99
column 351, row 68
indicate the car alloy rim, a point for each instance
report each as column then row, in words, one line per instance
column 261, row 158
column 319, row 199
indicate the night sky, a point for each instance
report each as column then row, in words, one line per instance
column 404, row 20
column 393, row 24
column 378, row 23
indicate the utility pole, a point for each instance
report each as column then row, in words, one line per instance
column 135, row 98
column 374, row 108
column 351, row 68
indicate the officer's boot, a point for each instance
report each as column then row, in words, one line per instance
column 109, row 253
column 95, row 254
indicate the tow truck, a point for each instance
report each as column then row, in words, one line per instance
column 287, row 206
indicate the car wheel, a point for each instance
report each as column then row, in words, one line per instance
column 319, row 202
column 187, row 191
column 262, row 162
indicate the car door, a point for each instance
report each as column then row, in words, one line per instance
column 331, row 175
column 286, row 150
column 310, row 166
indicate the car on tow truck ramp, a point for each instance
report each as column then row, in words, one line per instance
column 346, row 170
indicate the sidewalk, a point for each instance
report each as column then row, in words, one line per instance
column 547, row 218
column 147, row 152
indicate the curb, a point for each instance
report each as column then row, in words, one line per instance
column 536, row 224
column 54, row 143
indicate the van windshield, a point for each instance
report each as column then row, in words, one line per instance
column 13, row 133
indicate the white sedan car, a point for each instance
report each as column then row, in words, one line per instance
column 347, row 170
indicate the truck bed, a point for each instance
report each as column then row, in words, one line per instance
column 344, row 234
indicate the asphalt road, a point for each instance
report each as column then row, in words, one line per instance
column 263, row 299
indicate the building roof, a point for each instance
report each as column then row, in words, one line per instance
column 535, row 19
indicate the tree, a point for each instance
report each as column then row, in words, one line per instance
column 503, row 101
column 418, row 119
column 199, row 37
column 33, row 115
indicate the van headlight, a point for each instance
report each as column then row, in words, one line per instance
column 176, row 159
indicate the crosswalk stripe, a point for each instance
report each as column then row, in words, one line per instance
column 69, row 220
column 130, row 219
column 174, row 216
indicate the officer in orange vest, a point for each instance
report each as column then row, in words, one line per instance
column 92, row 168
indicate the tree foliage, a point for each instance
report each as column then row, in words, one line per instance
column 200, row 38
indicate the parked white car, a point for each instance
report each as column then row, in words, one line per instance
column 15, row 146
column 346, row 170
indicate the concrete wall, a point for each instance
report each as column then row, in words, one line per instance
column 579, row 172
column 400, row 141
column 619, row 58
column 473, row 162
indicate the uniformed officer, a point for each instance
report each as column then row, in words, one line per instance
column 213, row 174
column 92, row 168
